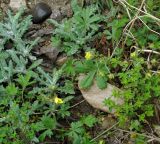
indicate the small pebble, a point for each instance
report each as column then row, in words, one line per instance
column 40, row 13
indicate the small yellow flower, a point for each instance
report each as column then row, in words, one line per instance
column 88, row 55
column 58, row 100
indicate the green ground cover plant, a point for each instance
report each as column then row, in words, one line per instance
column 33, row 104
column 29, row 97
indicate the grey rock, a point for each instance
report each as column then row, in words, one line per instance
column 56, row 14
column 61, row 60
column 50, row 52
column 95, row 96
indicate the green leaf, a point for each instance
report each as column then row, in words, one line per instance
column 68, row 68
column 135, row 124
column 11, row 89
column 76, row 130
column 68, row 88
column 89, row 120
column 24, row 81
column 75, row 6
column 35, row 64
column 56, row 41
column 64, row 110
column 38, row 126
column 47, row 133
column 88, row 80
column 101, row 82
column 80, row 67
column 48, row 122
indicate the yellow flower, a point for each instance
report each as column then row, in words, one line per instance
column 58, row 100
column 88, row 55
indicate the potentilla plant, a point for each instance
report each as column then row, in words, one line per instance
column 72, row 34
column 94, row 66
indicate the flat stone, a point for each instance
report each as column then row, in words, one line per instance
column 41, row 12
column 95, row 96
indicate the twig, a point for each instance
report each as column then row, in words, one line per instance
column 77, row 104
column 130, row 23
column 148, row 61
column 148, row 26
column 104, row 132
column 129, row 15
column 150, row 51
column 149, row 15
column 116, row 47
column 146, row 50
column 156, row 72
column 134, row 19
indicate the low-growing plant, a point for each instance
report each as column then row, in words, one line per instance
column 31, row 100
column 95, row 67
column 140, row 89
column 73, row 34
column 16, row 59
column 77, row 131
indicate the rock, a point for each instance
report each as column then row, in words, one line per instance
column 60, row 8
column 50, row 52
column 95, row 96
column 41, row 12
column 17, row 4
column 61, row 60
column 42, row 32
column 56, row 14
